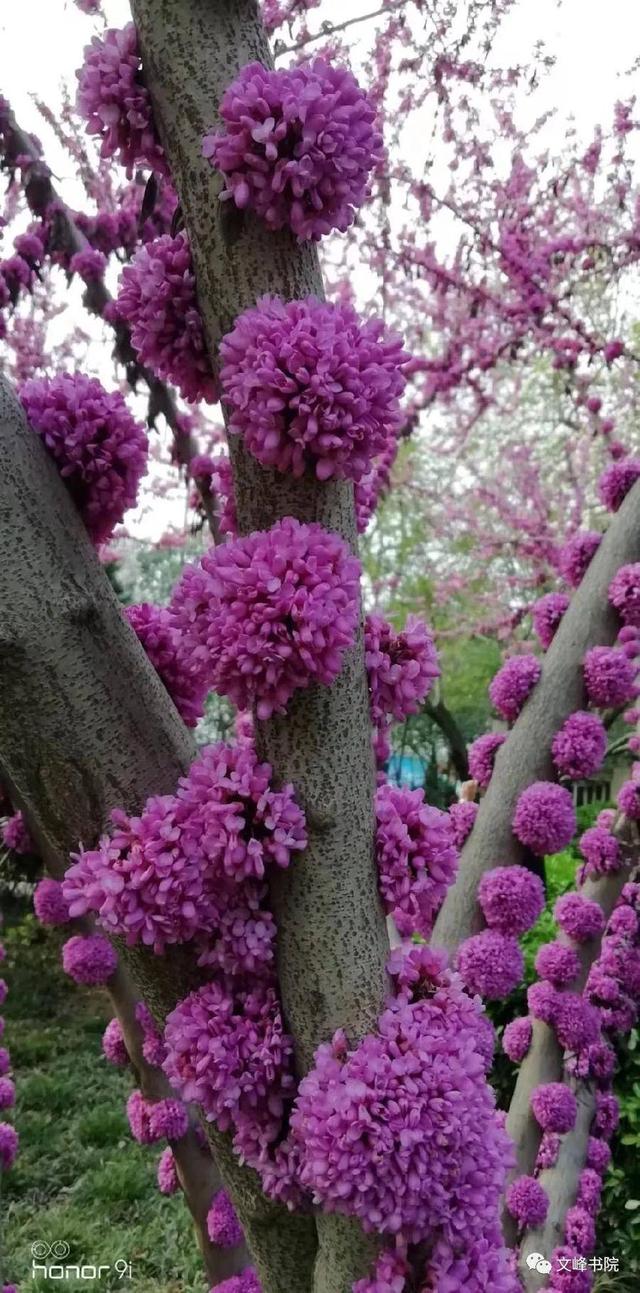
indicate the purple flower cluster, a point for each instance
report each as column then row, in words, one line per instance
column 579, row 746
column 115, row 102
column 512, row 684
column 558, row 963
column 15, row 835
column 167, row 1172
column 223, row 1226
column 554, row 1107
column 89, row 265
column 511, row 898
column 153, row 1047
column 616, row 481
column 401, row 667
column 310, row 385
column 402, row 1131
column 89, row 959
column 462, row 816
column 247, row 1282
column 580, row 918
column 215, row 475
column 299, row 146
column 516, row 1038
column 576, row 555
column 269, row 614
column 527, row 1201
column 545, row 818
column 98, row 448
column 157, row 299
column 490, row 964
column 629, row 799
column 389, row 1274
column 547, row 613
column 482, row 754
column 161, row 638
column 113, row 1044
column 372, row 487
column 193, row 863
column 609, row 677
column 9, row 1143
column 600, row 850
column 624, row 593
column 49, row 902
column 416, row 857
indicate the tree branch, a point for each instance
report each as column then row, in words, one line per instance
column 441, row 715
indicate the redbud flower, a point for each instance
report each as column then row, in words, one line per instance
column 624, row 593
column 49, row 902
column 542, row 1000
column 247, row 1282
column 138, row 1111
column 98, row 448
column 557, row 963
column 600, row 850
column 577, row 1023
column 545, row 818
column 511, row 898
column 598, row 1155
column 223, row 1226
column 577, row 554
column 89, row 960
column 401, row 666
column 512, row 684
column 554, row 1107
column 88, row 264
column 579, row 746
column 580, row 918
column 516, row 1038
column 416, row 857
column 298, row 147
column 5, row 1061
column 168, row 1120
column 629, row 800
column 548, row 1151
column 490, row 964
column 15, row 835
column 616, row 481
column 157, row 299
column 389, row 1274
column 527, row 1201
column 9, row 1142
column 310, row 385
column 167, row 1172
column 590, row 1190
column 580, row 1230
column 567, row 1275
column 482, row 754
column 114, row 100
column 547, row 613
column 463, row 816
column 113, row 1044
column 607, row 1114
column 270, row 614
column 609, row 677
column 155, row 627
column 7, row 1093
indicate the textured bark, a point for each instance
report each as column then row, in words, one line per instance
column 526, row 754
column 331, row 933
column 85, row 726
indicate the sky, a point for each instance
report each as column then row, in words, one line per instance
column 41, row 43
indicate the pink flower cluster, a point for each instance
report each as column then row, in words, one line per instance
column 215, row 475
column 89, row 959
column 49, row 902
column 576, row 555
column 113, row 1044
column 156, row 629
column 401, row 667
column 416, row 857
column 299, row 146
column 482, row 754
column 545, row 818
column 193, row 864
column 223, row 1226
column 624, row 593
column 609, row 677
column 512, row 684
column 15, row 835
column 153, row 1120
column 247, row 1282
column 511, row 899
column 462, row 816
column 547, row 613
column 269, row 614
column 157, row 299
column 167, row 1172
column 88, row 264
column 309, row 385
column 579, row 747
column 490, row 964
column 98, row 448
column 616, row 481
column 115, row 102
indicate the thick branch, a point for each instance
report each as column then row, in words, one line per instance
column 331, row 932
column 85, row 726
column 439, row 714
column 526, row 754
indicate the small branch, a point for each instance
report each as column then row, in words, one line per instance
column 439, row 714
column 332, row 30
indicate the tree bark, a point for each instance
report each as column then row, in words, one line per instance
column 332, row 942
column 526, row 754
column 86, row 726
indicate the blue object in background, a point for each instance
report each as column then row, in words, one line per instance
column 407, row 770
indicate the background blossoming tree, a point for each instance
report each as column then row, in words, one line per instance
column 236, row 900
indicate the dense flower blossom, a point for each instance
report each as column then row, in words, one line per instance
column 98, row 448
column 371, row 488
column 215, row 475
column 616, row 481
column 600, row 850
column 49, row 902
column 609, row 677
column 511, row 898
column 624, row 593
column 512, row 684
column 113, row 1044
column 89, row 264
column 15, row 835
column 558, row 963
column 161, row 639
column 527, row 1201
column 547, row 613
column 401, row 666
column 545, row 818
column 138, row 1112
column 247, row 1282
column 491, row 964
column 580, row 1230
column 548, row 1151
column 416, row 857
column 174, row 871
column 623, row 921
column 167, row 1172
column 472, row 1265
column 9, row 1143
column 516, row 1038
column 567, row 1274
column 629, row 799
column 168, row 1120
column 7, row 1093
column 115, row 102
column 554, row 1107
column 579, row 746
column 577, row 1023
column 577, row 554
column 309, row 384
column 598, row 1155
column 389, row 1274
column 462, row 816
column 223, row 1226
column 5, row 1061
column 402, row 1132
column 298, row 147
column 157, row 299
column 590, row 1190
column 89, row 959
column 580, row 918
column 607, row 1114
column 270, row 614
column 153, row 1047
column 482, row 754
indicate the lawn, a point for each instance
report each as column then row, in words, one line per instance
column 80, row 1179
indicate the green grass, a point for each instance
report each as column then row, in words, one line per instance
column 79, row 1176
